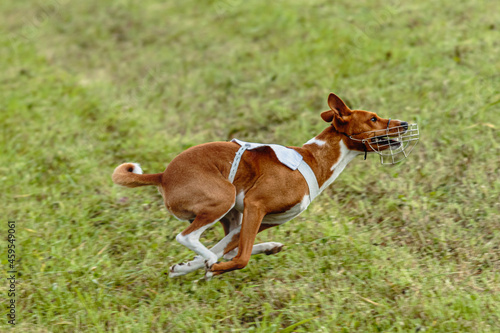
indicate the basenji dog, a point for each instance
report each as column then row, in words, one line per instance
column 250, row 187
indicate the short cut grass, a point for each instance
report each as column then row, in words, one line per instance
column 87, row 85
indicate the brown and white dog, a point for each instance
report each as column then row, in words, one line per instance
column 265, row 193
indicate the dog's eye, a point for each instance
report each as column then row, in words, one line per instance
column 374, row 119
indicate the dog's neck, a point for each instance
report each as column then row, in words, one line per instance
column 328, row 154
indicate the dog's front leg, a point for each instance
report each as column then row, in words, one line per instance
column 252, row 218
column 267, row 248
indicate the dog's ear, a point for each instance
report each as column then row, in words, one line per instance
column 328, row 115
column 336, row 104
column 338, row 111
column 332, row 116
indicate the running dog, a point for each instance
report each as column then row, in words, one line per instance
column 251, row 187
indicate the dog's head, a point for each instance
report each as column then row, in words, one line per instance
column 366, row 130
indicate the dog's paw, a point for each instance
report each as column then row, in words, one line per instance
column 173, row 275
column 277, row 248
column 174, row 271
column 186, row 267
column 209, row 263
column 209, row 275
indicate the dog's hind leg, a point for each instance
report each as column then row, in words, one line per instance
column 184, row 268
column 191, row 239
column 232, row 226
column 212, row 203
column 231, row 221
column 198, row 261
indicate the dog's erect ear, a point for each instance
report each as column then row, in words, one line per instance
column 338, row 110
column 336, row 104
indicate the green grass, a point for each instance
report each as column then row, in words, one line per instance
column 89, row 85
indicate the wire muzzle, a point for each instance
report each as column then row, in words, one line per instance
column 392, row 144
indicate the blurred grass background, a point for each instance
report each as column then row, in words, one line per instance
column 89, row 85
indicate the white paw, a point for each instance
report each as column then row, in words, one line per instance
column 187, row 267
column 173, row 275
column 268, row 248
column 208, row 275
column 275, row 249
column 210, row 262
column 174, row 271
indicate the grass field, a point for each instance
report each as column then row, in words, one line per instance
column 87, row 85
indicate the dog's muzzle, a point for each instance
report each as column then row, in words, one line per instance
column 392, row 144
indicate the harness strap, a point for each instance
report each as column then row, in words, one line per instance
column 310, row 178
column 236, row 162
column 303, row 168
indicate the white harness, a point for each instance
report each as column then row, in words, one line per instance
column 287, row 156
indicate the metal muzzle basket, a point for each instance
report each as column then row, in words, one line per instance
column 392, row 144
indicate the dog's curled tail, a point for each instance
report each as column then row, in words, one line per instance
column 130, row 175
